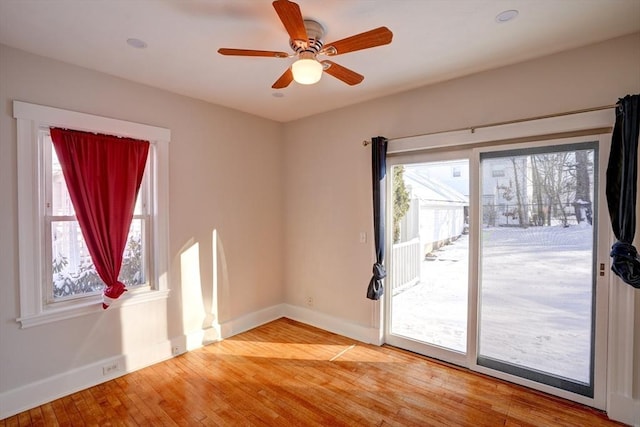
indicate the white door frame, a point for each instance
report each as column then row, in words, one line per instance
column 536, row 131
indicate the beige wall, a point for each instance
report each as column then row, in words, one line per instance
column 225, row 174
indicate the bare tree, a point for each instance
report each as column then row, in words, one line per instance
column 540, row 215
column 557, row 183
column 582, row 201
column 518, row 174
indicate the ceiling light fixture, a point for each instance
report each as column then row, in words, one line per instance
column 506, row 16
column 307, row 70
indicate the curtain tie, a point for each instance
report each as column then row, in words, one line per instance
column 626, row 263
column 379, row 271
column 112, row 293
column 376, row 289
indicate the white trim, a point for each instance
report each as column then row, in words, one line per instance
column 28, row 225
column 90, row 305
column 623, row 368
column 251, row 320
column 330, row 323
column 624, row 409
column 51, row 116
column 549, row 126
column 46, row 390
column 43, row 391
column 303, row 315
column 30, row 119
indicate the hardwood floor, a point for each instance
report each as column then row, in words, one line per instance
column 287, row 373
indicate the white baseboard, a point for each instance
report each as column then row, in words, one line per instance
column 57, row 386
column 624, row 409
column 331, row 324
column 43, row 391
column 303, row 315
column 46, row 390
column 250, row 321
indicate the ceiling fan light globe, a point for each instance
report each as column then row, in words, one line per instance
column 306, row 71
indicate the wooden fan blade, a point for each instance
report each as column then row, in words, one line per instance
column 291, row 17
column 341, row 73
column 377, row 37
column 251, row 52
column 284, row 80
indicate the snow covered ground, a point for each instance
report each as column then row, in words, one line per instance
column 535, row 299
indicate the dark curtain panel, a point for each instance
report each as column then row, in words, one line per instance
column 622, row 177
column 103, row 174
column 378, row 172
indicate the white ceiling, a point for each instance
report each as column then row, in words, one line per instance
column 434, row 40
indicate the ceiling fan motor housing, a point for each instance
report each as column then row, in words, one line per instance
column 314, row 44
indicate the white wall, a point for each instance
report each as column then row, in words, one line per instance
column 327, row 175
column 225, row 175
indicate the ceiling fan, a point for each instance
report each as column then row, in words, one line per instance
column 306, row 42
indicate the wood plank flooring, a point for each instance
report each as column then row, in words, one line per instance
column 287, row 373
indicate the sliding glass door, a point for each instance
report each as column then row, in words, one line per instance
column 497, row 262
column 537, row 264
column 429, row 279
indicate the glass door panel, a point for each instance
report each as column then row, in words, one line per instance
column 537, row 264
column 429, row 254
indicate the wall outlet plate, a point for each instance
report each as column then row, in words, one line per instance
column 110, row 368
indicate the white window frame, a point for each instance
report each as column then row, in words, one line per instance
column 31, row 118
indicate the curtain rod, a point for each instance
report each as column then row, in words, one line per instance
column 509, row 122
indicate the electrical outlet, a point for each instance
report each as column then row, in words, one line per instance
column 175, row 350
column 310, row 301
column 110, row 368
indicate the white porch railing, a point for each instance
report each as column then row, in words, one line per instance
column 405, row 265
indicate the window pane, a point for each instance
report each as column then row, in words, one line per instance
column 537, row 271
column 60, row 201
column 73, row 270
column 133, row 269
column 428, row 281
column 61, row 204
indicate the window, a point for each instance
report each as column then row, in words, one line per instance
column 456, row 171
column 71, row 273
column 57, row 277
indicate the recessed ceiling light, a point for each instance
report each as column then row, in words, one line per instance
column 137, row 43
column 506, row 16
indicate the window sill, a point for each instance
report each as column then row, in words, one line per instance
column 89, row 305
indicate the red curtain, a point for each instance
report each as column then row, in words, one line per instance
column 103, row 175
